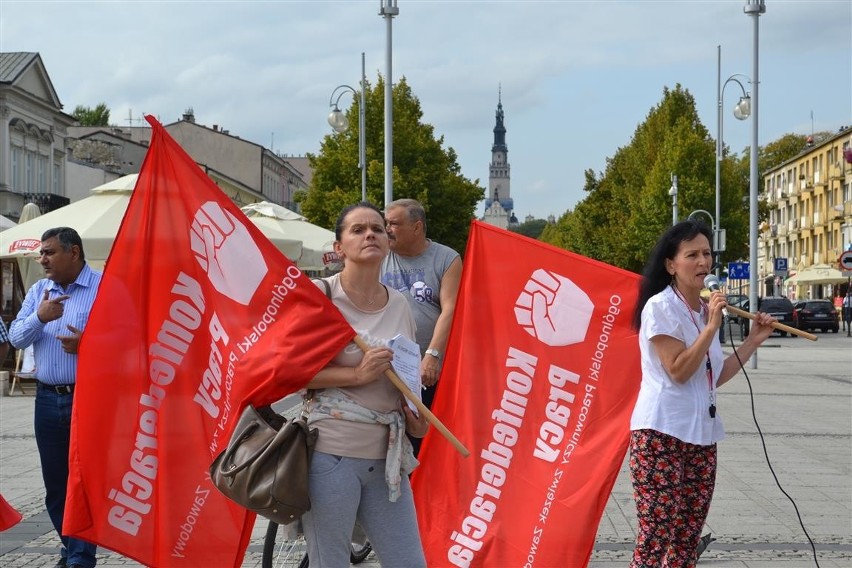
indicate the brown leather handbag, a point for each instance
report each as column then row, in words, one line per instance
column 265, row 466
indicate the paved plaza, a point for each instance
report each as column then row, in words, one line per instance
column 803, row 404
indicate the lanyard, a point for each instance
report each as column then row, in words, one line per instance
column 708, row 366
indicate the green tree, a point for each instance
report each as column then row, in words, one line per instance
column 628, row 206
column 531, row 229
column 86, row 116
column 422, row 168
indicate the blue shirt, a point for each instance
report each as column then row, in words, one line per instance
column 53, row 365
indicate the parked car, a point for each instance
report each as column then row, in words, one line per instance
column 778, row 307
column 816, row 314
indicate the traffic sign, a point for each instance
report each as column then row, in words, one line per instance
column 738, row 270
column 780, row 265
column 846, row 260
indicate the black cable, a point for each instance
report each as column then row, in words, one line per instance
column 763, row 442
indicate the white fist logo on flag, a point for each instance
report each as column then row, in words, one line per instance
column 225, row 249
column 553, row 309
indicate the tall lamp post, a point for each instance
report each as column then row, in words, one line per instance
column 388, row 10
column 753, row 9
column 741, row 112
column 338, row 121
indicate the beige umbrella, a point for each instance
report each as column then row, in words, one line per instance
column 817, row 274
column 277, row 222
column 31, row 270
column 6, row 223
column 96, row 218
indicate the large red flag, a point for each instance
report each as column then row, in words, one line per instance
column 541, row 375
column 197, row 314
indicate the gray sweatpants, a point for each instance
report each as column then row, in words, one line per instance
column 344, row 490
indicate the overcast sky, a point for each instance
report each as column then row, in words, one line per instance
column 577, row 76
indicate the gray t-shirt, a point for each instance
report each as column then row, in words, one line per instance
column 419, row 280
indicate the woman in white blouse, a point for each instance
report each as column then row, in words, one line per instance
column 675, row 423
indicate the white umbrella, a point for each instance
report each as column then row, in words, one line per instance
column 6, row 223
column 96, row 218
column 818, row 274
column 30, row 269
column 277, row 222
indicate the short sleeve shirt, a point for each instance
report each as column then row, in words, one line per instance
column 664, row 405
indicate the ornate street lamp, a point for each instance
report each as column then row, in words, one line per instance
column 741, row 112
column 339, row 123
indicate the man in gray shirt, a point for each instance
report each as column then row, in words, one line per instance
column 428, row 273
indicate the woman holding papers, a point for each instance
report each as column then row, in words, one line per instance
column 359, row 471
column 675, row 425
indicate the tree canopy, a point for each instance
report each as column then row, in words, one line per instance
column 87, row 116
column 422, row 168
column 628, row 205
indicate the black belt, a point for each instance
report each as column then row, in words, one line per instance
column 58, row 389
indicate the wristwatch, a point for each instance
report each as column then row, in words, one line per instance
column 434, row 353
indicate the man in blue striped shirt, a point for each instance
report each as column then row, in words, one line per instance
column 52, row 319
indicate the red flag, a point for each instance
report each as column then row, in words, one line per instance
column 9, row 516
column 540, row 379
column 197, row 314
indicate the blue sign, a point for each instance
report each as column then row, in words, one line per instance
column 780, row 265
column 738, row 270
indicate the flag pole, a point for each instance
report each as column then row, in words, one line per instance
column 403, row 388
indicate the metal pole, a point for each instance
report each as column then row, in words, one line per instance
column 362, row 135
column 754, row 8
column 673, row 193
column 388, row 11
column 716, row 235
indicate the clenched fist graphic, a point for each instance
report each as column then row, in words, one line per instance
column 225, row 249
column 553, row 309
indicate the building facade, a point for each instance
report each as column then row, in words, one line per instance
column 33, row 132
column 499, row 206
column 810, row 218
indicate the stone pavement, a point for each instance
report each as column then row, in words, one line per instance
column 803, row 403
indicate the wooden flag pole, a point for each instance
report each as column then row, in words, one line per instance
column 421, row 408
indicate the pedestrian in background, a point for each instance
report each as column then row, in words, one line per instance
column 847, row 310
column 51, row 319
column 675, row 425
column 428, row 274
column 362, row 459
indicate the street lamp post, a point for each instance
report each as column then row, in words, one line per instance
column 388, row 10
column 753, row 9
column 337, row 120
column 673, row 194
column 741, row 112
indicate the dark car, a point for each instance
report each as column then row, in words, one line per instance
column 816, row 314
column 778, row 307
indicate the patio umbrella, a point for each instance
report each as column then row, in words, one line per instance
column 96, row 218
column 277, row 222
column 31, row 270
column 817, row 274
column 6, row 223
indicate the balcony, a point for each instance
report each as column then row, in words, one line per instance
column 793, row 225
column 818, row 219
column 782, row 229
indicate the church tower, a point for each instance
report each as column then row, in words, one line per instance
column 499, row 206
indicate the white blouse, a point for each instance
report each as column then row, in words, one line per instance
column 679, row 410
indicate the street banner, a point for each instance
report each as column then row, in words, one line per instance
column 197, row 315
column 540, row 379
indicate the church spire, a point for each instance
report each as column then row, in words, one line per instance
column 499, row 129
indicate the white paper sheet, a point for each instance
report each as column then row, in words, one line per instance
column 406, row 363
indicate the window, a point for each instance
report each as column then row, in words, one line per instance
column 16, row 168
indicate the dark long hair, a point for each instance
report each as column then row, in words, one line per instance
column 655, row 277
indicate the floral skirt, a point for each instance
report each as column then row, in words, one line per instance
column 673, row 485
